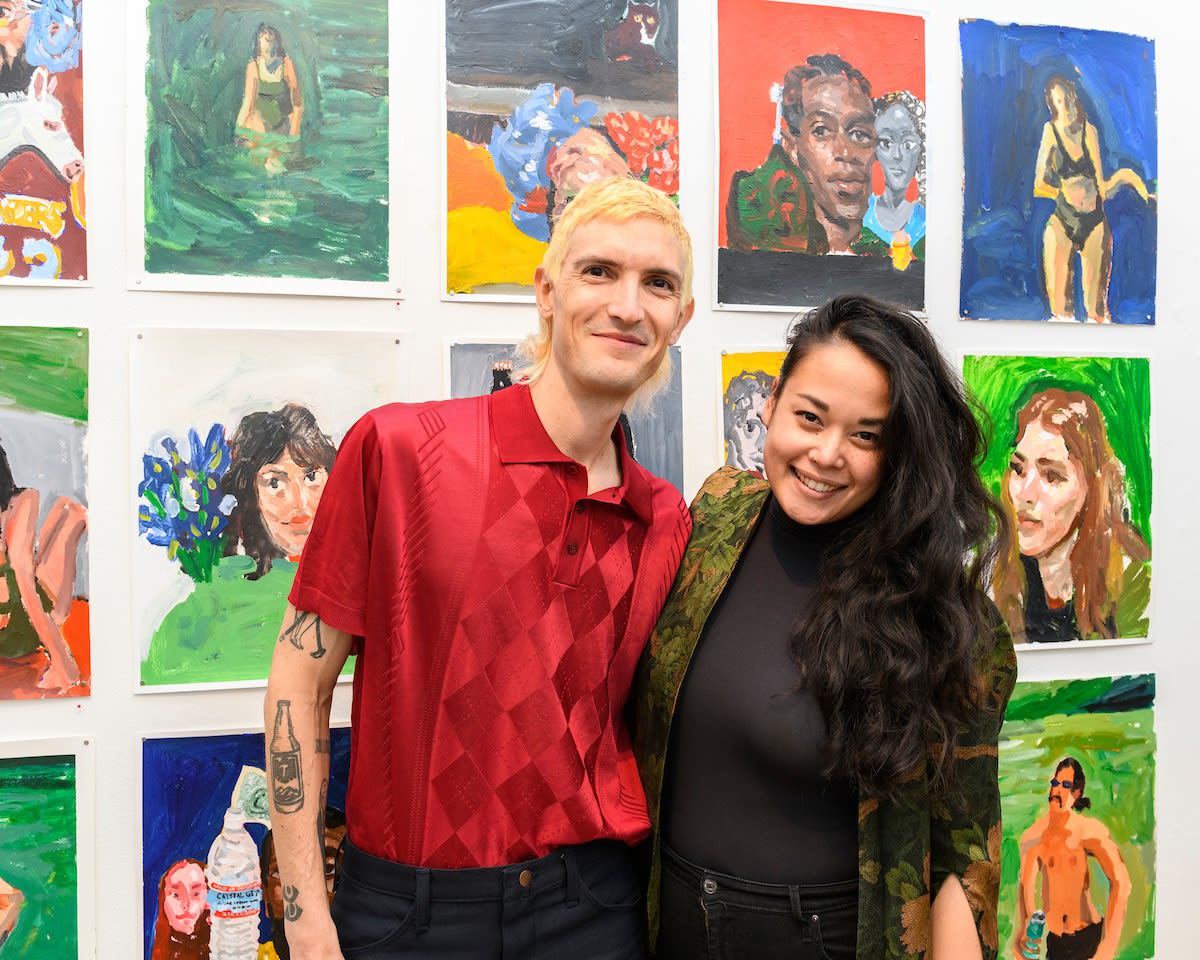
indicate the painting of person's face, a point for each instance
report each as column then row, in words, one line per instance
column 1047, row 490
column 835, row 145
column 1062, row 796
column 185, row 895
column 14, row 28
column 745, row 436
column 288, row 495
column 897, row 146
column 1066, row 107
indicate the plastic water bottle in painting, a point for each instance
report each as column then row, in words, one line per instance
column 234, row 891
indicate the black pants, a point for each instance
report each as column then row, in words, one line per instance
column 577, row 903
column 1080, row 945
column 707, row 915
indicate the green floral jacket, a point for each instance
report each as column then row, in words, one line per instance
column 907, row 847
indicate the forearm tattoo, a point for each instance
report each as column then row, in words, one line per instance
column 291, row 909
column 287, row 779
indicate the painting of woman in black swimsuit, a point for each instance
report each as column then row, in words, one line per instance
column 1049, row 233
column 1070, row 172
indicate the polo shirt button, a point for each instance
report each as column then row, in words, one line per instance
column 525, row 878
column 580, row 507
column 710, row 885
column 572, row 469
column 572, row 548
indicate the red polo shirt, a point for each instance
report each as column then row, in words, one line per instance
column 500, row 612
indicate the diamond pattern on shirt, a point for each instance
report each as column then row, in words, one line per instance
column 526, row 693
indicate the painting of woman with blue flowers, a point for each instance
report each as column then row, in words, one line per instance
column 229, row 480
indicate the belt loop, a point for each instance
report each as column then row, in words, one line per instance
column 421, row 902
column 794, row 897
column 572, row 868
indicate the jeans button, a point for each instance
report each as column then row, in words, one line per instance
column 525, row 878
column 709, row 885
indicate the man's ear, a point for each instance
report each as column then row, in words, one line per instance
column 543, row 291
column 685, row 317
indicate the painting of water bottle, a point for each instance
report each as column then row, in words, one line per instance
column 654, row 435
column 1077, row 773
column 229, row 475
column 209, row 875
column 43, row 223
column 543, row 97
column 45, row 632
column 49, row 794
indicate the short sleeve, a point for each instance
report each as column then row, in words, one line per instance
column 332, row 577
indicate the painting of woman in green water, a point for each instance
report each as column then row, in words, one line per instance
column 266, row 142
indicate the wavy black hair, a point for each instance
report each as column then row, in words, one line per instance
column 891, row 642
column 261, row 438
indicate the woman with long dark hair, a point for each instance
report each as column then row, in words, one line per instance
column 37, row 585
column 281, row 461
column 819, row 706
column 1071, row 551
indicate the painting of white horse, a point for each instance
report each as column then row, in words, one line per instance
column 43, row 227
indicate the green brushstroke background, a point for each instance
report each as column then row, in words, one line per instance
column 224, row 630
column 1106, row 726
column 45, row 369
column 211, row 208
column 1119, row 385
column 37, row 855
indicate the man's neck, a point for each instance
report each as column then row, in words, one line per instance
column 839, row 232
column 581, row 426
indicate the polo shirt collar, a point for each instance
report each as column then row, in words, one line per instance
column 521, row 438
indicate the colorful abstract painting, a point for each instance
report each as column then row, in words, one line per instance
column 188, row 785
column 41, row 861
column 1077, row 774
column 746, row 381
column 1070, row 462
column 45, row 632
column 821, row 154
column 543, row 97
column 1060, row 153
column 266, row 141
column 43, row 224
column 235, row 438
column 654, row 435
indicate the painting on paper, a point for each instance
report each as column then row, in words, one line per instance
column 266, row 141
column 41, row 861
column 45, row 633
column 199, row 792
column 1070, row 463
column 746, row 381
column 543, row 97
column 821, row 154
column 1060, row 152
column 235, row 439
column 654, row 435
column 1077, row 773
column 43, row 224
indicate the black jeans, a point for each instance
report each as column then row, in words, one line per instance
column 577, row 903
column 705, row 915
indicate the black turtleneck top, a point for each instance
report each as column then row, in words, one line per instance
column 744, row 792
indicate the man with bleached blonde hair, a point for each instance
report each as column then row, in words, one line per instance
column 497, row 563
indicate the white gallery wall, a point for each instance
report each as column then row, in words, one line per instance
column 116, row 716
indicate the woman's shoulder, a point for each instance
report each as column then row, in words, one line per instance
column 729, row 482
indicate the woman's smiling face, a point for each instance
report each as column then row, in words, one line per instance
column 823, row 453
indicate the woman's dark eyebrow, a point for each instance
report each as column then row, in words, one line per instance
column 824, row 408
